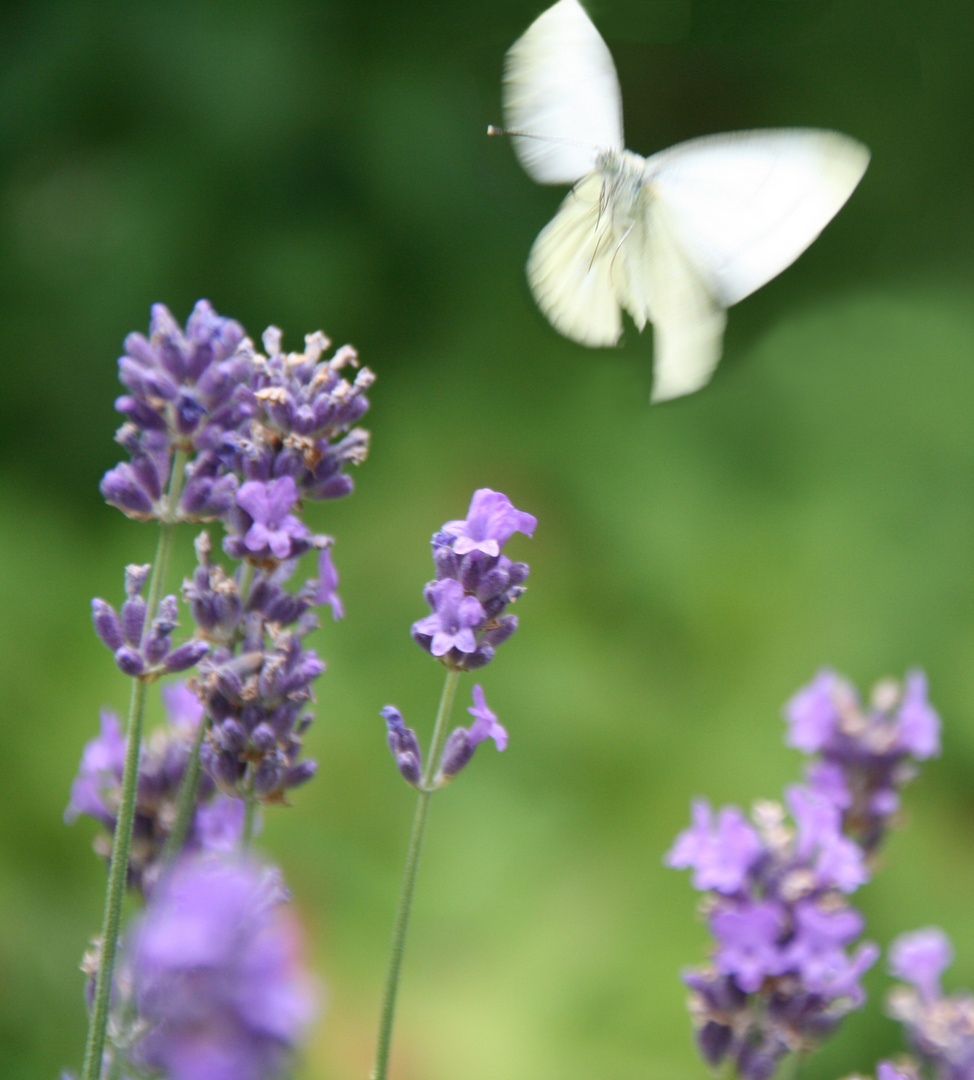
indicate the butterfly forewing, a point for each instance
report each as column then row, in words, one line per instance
column 560, row 84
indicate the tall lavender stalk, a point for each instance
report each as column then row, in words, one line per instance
column 216, row 431
column 474, row 584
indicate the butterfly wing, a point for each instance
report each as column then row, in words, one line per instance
column 560, row 84
column 570, row 268
column 656, row 281
column 743, row 206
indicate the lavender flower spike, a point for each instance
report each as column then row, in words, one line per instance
column 215, row 974
column 491, row 521
column 474, row 584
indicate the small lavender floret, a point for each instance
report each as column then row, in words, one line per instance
column 920, row 958
column 215, row 974
column 485, row 725
column 721, row 854
column 491, row 521
column 474, row 584
column 274, row 531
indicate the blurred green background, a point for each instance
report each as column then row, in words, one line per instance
column 324, row 165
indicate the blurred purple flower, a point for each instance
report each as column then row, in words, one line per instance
column 216, row 975
column 721, row 856
column 920, row 958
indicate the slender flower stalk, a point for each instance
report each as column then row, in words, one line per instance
column 409, row 880
column 186, row 801
column 121, row 842
column 475, row 583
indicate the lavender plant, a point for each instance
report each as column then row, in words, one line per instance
column 208, row 984
column 473, row 587
column 781, row 977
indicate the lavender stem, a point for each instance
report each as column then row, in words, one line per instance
column 409, row 879
column 186, row 800
column 121, row 841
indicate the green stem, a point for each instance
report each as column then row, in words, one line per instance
column 186, row 800
column 250, row 822
column 122, row 839
column 409, row 881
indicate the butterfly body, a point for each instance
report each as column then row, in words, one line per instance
column 673, row 239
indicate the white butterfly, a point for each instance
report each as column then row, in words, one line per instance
column 674, row 239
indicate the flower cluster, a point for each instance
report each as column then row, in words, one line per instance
column 863, row 756
column 214, row 973
column 140, row 651
column 474, row 583
column 256, row 682
column 217, row 822
column 457, row 751
column 939, row 1027
column 781, row 977
column 258, row 432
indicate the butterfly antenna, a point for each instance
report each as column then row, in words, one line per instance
column 493, row 129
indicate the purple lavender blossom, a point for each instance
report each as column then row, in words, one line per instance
column 274, row 531
column 886, row 1070
column 491, row 521
column 462, row 742
column 864, row 756
column 939, row 1027
column 454, row 619
column 102, row 762
column 215, row 974
column 485, row 725
column 237, row 415
column 920, row 958
column 328, row 584
column 474, row 584
column 749, row 942
column 721, row 856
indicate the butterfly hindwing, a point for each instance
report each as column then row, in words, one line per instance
column 570, row 268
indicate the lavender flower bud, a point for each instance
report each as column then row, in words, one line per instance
column 457, row 751
column 133, row 620
column 129, row 661
column 403, row 746
column 186, row 655
column 108, row 626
